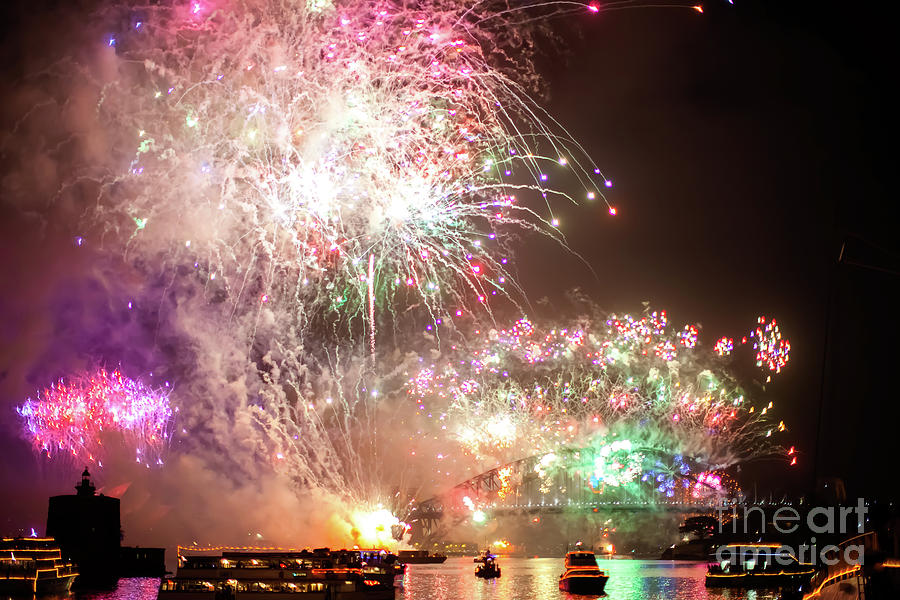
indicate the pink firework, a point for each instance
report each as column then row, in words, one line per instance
column 81, row 415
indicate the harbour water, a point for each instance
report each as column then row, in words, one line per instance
column 537, row 579
column 135, row 588
column 522, row 579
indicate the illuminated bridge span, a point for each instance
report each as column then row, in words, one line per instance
column 531, row 485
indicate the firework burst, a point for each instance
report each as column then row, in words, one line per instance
column 335, row 160
column 81, row 417
column 653, row 405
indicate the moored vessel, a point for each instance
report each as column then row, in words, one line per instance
column 859, row 568
column 318, row 574
column 419, row 557
column 33, row 566
column 582, row 575
column 759, row 565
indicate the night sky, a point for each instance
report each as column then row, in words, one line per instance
column 747, row 145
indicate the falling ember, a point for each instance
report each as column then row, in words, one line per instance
column 772, row 351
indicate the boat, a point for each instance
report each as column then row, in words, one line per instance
column 419, row 557
column 582, row 575
column 34, row 566
column 488, row 567
column 320, row 574
column 857, row 568
column 759, row 565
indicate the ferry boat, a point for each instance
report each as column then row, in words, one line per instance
column 488, row 568
column 320, row 574
column 33, row 566
column 582, row 575
column 419, row 557
column 858, row 569
column 757, row 566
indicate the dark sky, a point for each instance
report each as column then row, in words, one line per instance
column 746, row 144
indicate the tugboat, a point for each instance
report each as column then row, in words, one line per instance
column 488, row 568
column 582, row 575
column 33, row 566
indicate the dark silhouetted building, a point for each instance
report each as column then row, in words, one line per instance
column 88, row 530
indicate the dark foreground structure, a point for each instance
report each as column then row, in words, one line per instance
column 89, row 531
column 142, row 562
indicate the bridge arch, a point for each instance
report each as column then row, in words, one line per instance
column 580, row 479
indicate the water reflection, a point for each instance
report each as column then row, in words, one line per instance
column 134, row 588
column 537, row 579
column 523, row 579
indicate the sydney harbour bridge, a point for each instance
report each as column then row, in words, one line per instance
column 528, row 487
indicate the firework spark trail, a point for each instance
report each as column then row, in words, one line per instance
column 371, row 281
column 527, row 390
column 75, row 417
